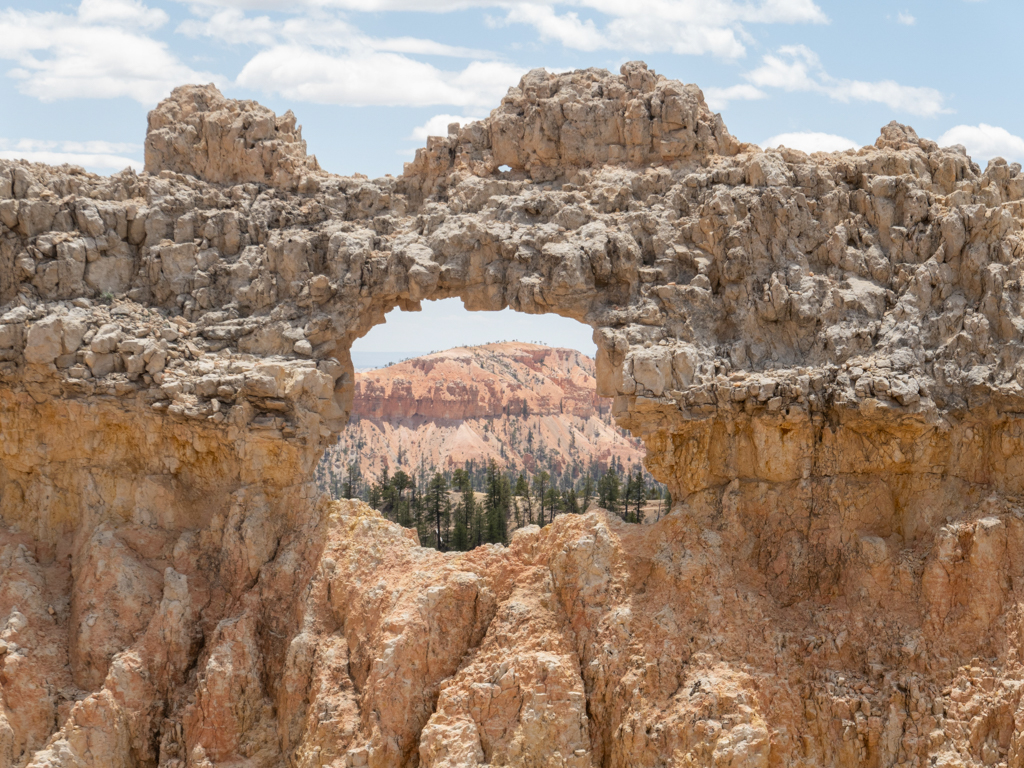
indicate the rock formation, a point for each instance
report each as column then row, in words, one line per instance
column 524, row 406
column 821, row 353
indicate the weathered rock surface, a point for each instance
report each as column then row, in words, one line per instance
column 821, row 353
column 524, row 406
column 200, row 133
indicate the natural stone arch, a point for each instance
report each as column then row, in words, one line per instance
column 281, row 266
column 822, row 354
column 629, row 207
column 283, row 283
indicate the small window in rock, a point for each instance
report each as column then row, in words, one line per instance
column 504, row 168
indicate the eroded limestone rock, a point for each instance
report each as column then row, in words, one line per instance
column 200, row 133
column 822, row 354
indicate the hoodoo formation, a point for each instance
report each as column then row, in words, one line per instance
column 822, row 355
column 527, row 407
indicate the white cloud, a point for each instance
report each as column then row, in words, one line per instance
column 417, row 45
column 323, row 58
column 906, row 18
column 484, row 83
column 926, row 102
column 361, row 6
column 63, row 56
column 231, row 25
column 984, row 142
column 320, row 57
column 811, row 141
column 93, row 155
column 788, row 12
column 653, row 33
column 373, row 78
column 797, row 68
column 566, row 29
column 130, row 12
column 719, row 98
column 438, row 126
column 677, row 26
column 757, row 11
column 791, row 70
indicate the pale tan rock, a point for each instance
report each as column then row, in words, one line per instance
column 116, row 599
column 199, row 132
column 822, row 355
column 520, row 699
column 43, row 342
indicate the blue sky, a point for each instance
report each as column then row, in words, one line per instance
column 445, row 324
column 369, row 79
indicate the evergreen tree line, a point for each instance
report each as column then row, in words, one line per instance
column 444, row 508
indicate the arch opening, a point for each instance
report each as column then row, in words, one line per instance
column 468, row 425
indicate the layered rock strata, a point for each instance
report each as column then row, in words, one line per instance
column 526, row 407
column 821, row 353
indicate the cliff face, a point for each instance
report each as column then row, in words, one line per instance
column 821, row 354
column 525, row 406
column 482, row 382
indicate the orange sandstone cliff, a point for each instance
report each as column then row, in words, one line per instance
column 823, row 356
column 524, row 406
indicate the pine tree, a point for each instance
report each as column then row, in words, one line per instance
column 350, row 490
column 496, row 503
column 540, row 485
column 403, row 515
column 554, row 501
column 641, row 496
column 570, row 504
column 465, row 513
column 635, row 497
column 523, row 492
column 588, row 491
column 421, row 517
column 478, row 526
column 438, row 508
column 608, row 491
column 627, row 495
column 386, row 491
column 400, row 481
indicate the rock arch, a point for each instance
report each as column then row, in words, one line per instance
column 822, row 354
column 271, row 267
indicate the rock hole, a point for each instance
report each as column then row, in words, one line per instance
column 440, row 393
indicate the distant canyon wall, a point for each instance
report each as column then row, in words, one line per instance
column 526, row 407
